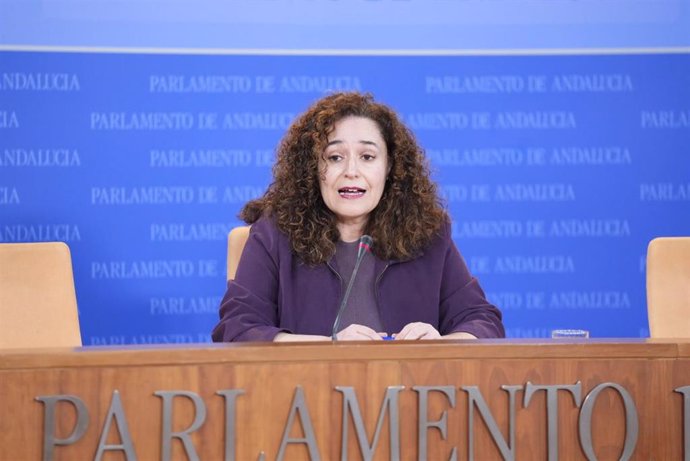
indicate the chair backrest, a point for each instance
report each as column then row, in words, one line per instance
column 668, row 287
column 236, row 240
column 38, row 304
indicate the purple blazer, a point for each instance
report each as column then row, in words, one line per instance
column 275, row 291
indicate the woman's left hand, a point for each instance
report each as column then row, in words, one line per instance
column 418, row 330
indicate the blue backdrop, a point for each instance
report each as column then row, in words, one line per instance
column 557, row 168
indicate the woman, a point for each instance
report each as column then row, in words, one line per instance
column 349, row 167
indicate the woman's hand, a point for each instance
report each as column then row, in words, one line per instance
column 418, row 330
column 357, row 332
column 283, row 337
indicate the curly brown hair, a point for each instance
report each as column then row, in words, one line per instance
column 408, row 215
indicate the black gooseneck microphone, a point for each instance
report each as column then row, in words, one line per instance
column 365, row 243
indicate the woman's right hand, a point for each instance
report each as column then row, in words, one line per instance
column 357, row 332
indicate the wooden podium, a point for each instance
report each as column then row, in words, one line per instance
column 437, row 400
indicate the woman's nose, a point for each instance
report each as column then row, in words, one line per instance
column 352, row 168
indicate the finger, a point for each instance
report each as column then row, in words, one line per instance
column 430, row 334
column 413, row 330
column 402, row 334
column 363, row 335
column 353, row 328
column 368, row 333
column 417, row 333
column 422, row 331
column 356, row 332
column 411, row 334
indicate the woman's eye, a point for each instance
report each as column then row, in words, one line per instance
column 334, row 157
column 368, row 157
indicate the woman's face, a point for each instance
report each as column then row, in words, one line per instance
column 353, row 171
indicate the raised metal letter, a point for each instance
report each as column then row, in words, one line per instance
column 475, row 399
column 299, row 405
column 685, row 390
column 230, row 395
column 552, row 409
column 585, row 422
column 350, row 405
column 118, row 413
column 425, row 424
column 49, row 439
column 168, row 434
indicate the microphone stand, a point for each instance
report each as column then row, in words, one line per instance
column 364, row 247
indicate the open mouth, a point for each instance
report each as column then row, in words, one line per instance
column 351, row 192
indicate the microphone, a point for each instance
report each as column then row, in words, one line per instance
column 365, row 243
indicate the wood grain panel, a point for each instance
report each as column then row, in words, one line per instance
column 270, row 376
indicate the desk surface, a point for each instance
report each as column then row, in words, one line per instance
column 350, row 350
